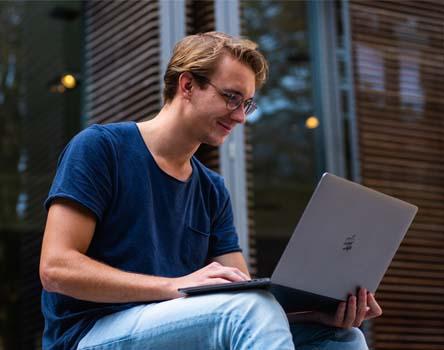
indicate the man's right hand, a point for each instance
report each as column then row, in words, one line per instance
column 213, row 273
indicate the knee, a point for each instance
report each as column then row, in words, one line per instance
column 258, row 308
column 255, row 302
column 258, row 321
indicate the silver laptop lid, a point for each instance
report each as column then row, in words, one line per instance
column 345, row 239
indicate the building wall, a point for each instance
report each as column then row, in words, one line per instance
column 122, row 61
column 398, row 60
column 397, row 51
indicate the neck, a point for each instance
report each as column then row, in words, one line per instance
column 168, row 139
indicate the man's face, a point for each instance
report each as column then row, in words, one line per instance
column 212, row 120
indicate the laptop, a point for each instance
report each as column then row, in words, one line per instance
column 345, row 239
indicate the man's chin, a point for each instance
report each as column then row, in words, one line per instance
column 215, row 142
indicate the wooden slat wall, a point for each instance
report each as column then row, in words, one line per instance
column 199, row 19
column 398, row 53
column 200, row 16
column 252, row 246
column 122, row 60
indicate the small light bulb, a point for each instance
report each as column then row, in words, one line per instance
column 312, row 122
column 69, row 81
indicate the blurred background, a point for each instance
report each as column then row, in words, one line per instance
column 355, row 89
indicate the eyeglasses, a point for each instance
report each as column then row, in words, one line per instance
column 233, row 100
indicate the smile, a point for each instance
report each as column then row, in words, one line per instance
column 227, row 128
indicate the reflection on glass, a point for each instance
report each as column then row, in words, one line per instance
column 35, row 46
column 410, row 87
column 370, row 65
column 285, row 151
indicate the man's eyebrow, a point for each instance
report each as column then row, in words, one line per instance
column 233, row 91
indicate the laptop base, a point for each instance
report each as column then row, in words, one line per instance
column 291, row 300
column 294, row 300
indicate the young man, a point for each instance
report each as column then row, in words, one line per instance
column 133, row 216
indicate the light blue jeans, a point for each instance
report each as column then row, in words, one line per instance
column 240, row 321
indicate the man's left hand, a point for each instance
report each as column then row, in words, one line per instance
column 351, row 313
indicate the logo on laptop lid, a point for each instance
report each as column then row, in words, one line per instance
column 348, row 243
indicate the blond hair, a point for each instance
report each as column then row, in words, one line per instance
column 200, row 54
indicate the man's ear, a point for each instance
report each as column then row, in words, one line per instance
column 186, row 84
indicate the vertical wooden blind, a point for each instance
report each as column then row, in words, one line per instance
column 252, row 243
column 200, row 18
column 122, row 60
column 398, row 53
column 252, row 246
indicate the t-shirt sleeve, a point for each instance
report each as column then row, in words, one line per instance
column 84, row 172
column 223, row 238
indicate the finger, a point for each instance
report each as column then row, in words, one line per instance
column 340, row 314
column 375, row 310
column 240, row 273
column 215, row 266
column 350, row 314
column 226, row 273
column 235, row 270
column 362, row 307
column 215, row 281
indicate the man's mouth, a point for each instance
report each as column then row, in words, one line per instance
column 226, row 127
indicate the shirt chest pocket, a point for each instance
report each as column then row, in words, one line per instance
column 196, row 244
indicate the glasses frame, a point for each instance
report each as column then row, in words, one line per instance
column 249, row 105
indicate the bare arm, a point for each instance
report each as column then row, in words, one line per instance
column 65, row 269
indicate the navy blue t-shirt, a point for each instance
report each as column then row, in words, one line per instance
column 147, row 221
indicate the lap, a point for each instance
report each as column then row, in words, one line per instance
column 174, row 323
column 203, row 322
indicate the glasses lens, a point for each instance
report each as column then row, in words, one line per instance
column 234, row 101
column 249, row 106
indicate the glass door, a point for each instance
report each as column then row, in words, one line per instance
column 287, row 156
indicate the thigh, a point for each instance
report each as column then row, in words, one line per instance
column 150, row 327
column 164, row 325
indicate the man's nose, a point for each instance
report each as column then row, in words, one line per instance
column 238, row 115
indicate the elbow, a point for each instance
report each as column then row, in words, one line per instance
column 49, row 276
